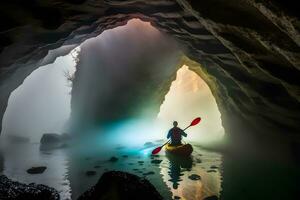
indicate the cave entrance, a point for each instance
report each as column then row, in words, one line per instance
column 189, row 96
column 41, row 104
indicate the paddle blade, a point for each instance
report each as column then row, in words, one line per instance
column 195, row 121
column 156, row 150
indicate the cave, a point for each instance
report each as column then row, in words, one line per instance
column 247, row 52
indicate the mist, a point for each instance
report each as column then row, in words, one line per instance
column 42, row 103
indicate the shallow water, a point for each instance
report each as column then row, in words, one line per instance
column 193, row 178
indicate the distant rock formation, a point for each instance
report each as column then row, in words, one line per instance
column 121, row 185
column 54, row 140
column 11, row 190
column 17, row 139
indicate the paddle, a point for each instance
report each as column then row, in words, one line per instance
column 193, row 123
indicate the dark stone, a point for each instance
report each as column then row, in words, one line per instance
column 156, row 161
column 121, row 185
column 53, row 141
column 90, row 173
column 50, row 138
column 125, row 156
column 36, row 170
column 97, row 166
column 177, row 197
column 213, row 167
column 211, row 170
column 12, row 190
column 195, row 177
column 148, row 173
column 211, row 198
column 113, row 159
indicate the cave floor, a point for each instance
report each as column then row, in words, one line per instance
column 72, row 172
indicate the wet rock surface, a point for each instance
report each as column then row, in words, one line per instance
column 113, row 159
column 121, row 185
column 12, row 190
column 156, row 161
column 195, row 177
column 36, row 170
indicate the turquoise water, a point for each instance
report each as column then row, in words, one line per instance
column 196, row 177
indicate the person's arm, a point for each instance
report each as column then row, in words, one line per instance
column 183, row 133
column 169, row 134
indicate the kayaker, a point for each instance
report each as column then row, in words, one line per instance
column 176, row 134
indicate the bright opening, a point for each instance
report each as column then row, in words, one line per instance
column 189, row 97
column 42, row 103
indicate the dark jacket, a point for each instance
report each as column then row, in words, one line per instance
column 176, row 134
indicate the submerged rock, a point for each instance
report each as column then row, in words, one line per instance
column 113, row 159
column 148, row 173
column 11, row 190
column 121, row 185
column 211, row 170
column 36, row 170
column 156, row 161
column 195, row 177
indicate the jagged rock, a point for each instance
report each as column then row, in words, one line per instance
column 12, row 190
column 36, row 170
column 121, row 186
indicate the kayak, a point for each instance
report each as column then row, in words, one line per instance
column 180, row 150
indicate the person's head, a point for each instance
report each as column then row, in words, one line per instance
column 175, row 123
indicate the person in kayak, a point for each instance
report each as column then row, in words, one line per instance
column 176, row 134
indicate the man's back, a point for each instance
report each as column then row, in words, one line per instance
column 176, row 134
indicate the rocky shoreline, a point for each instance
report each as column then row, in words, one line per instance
column 111, row 185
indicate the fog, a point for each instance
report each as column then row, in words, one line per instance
column 42, row 103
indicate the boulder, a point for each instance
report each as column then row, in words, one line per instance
column 36, row 170
column 53, row 140
column 121, row 185
column 11, row 190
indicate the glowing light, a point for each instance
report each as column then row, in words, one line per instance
column 189, row 96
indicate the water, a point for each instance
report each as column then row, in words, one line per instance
column 193, row 178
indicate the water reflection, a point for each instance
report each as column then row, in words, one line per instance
column 195, row 177
column 177, row 166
